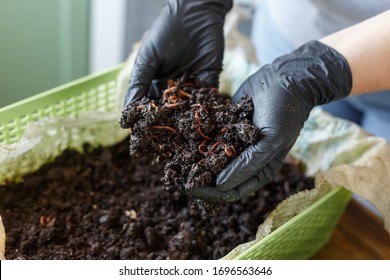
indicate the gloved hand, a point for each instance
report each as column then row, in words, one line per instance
column 186, row 36
column 283, row 94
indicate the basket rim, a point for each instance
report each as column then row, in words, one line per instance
column 301, row 215
column 42, row 95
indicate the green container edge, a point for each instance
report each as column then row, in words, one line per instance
column 27, row 105
column 345, row 197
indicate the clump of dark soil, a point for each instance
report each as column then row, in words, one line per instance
column 193, row 129
column 104, row 205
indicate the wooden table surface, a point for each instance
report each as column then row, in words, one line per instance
column 358, row 236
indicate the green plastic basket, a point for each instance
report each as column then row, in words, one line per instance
column 305, row 234
column 91, row 93
column 299, row 238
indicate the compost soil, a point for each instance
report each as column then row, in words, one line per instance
column 194, row 130
column 101, row 204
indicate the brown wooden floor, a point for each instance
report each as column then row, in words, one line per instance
column 358, row 236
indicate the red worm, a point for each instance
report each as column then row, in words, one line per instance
column 168, row 91
column 183, row 93
column 197, row 118
column 216, row 144
column 230, row 151
column 200, row 148
column 202, row 134
column 172, row 106
column 164, row 127
column 199, row 105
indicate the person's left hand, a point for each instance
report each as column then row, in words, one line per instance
column 187, row 36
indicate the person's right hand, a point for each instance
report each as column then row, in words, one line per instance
column 187, row 36
column 283, row 94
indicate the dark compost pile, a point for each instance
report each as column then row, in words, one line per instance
column 193, row 129
column 104, row 205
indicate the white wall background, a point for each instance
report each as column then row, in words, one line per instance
column 107, row 36
column 115, row 26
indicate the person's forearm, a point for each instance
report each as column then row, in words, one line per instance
column 366, row 47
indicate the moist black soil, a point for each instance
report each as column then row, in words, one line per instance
column 104, row 205
column 193, row 129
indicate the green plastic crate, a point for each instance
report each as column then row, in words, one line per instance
column 300, row 238
column 306, row 233
column 92, row 93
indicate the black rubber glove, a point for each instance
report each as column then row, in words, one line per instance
column 283, row 94
column 187, row 36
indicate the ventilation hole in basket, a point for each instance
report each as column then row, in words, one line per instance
column 59, row 109
column 80, row 107
column 24, row 119
column 36, row 115
column 70, row 103
column 48, row 110
column 13, row 138
column 70, row 108
column 11, row 124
